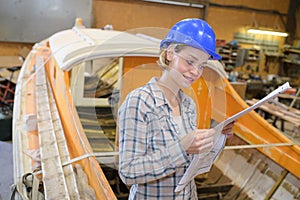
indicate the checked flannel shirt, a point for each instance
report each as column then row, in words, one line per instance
column 152, row 159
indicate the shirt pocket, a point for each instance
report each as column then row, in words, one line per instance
column 165, row 132
column 189, row 120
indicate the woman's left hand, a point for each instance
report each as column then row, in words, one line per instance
column 227, row 130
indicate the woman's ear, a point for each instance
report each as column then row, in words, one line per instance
column 169, row 55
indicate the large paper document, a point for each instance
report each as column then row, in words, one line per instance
column 202, row 163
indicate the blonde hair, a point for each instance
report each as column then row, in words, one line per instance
column 163, row 61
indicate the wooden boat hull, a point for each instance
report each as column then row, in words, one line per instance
column 28, row 134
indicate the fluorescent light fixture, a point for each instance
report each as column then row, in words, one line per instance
column 265, row 32
column 196, row 5
column 177, row 3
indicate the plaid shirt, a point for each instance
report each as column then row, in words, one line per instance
column 152, row 159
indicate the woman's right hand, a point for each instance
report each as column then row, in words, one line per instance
column 198, row 141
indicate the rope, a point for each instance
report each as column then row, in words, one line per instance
column 27, row 188
column 258, row 146
column 98, row 154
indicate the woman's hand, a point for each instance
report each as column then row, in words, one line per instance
column 201, row 140
column 227, row 130
column 198, row 141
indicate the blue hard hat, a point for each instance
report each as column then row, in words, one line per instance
column 193, row 32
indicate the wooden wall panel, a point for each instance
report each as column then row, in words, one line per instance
column 13, row 49
column 279, row 5
column 227, row 21
column 124, row 15
column 131, row 14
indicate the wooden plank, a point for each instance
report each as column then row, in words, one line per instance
column 288, row 96
column 279, row 112
column 10, row 61
column 277, row 184
column 214, row 188
column 53, row 176
column 63, row 148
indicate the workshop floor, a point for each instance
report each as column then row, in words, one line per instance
column 6, row 168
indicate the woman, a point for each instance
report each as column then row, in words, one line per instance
column 157, row 122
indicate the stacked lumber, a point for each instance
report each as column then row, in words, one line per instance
column 282, row 112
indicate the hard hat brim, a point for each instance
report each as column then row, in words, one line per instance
column 214, row 56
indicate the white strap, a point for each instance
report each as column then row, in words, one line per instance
column 258, row 146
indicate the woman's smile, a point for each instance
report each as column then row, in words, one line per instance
column 189, row 79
